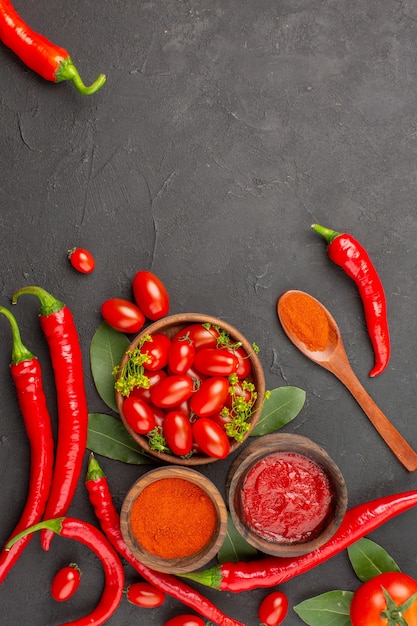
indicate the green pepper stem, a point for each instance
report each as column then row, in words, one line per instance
column 210, row 577
column 52, row 524
column 19, row 351
column 327, row 233
column 94, row 471
column 49, row 304
column 67, row 71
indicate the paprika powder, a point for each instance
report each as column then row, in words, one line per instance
column 173, row 518
column 306, row 319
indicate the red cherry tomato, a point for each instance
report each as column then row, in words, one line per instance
column 369, row 602
column 150, row 295
column 138, row 415
column 178, row 434
column 244, row 366
column 158, row 413
column 157, row 350
column 273, row 609
column 145, row 392
column 122, row 315
column 65, row 582
column 172, row 390
column 211, row 438
column 215, row 362
column 145, row 595
column 185, row 620
column 181, row 356
column 199, row 335
column 81, row 260
column 210, row 397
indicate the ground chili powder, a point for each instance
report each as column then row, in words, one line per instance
column 173, row 518
column 307, row 320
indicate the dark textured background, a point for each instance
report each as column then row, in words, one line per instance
column 225, row 129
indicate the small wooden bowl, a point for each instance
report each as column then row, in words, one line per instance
column 269, row 445
column 170, row 326
column 184, row 564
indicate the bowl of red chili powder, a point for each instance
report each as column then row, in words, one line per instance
column 196, row 408
column 174, row 519
column 286, row 495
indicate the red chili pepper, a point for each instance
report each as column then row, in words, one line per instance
column 72, row 528
column 27, row 376
column 38, row 53
column 350, row 255
column 61, row 335
column 101, row 499
column 270, row 571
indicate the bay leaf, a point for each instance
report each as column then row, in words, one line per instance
column 106, row 351
column 283, row 405
column 369, row 559
column 108, row 436
column 235, row 547
column 328, row 609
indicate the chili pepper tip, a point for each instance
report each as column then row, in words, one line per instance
column 53, row 524
column 19, row 351
column 68, row 71
column 327, row 233
column 94, row 471
column 49, row 304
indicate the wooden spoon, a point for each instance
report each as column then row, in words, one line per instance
column 333, row 358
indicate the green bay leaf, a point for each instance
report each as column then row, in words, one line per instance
column 108, row 436
column 235, row 547
column 106, row 351
column 328, row 609
column 369, row 559
column 283, row 405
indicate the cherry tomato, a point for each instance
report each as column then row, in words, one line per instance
column 172, row 390
column 369, row 602
column 81, row 260
column 65, row 582
column 122, row 315
column 199, row 335
column 150, row 295
column 145, row 595
column 181, row 356
column 215, row 362
column 158, row 413
column 185, row 620
column 138, row 414
column 177, row 432
column 145, row 392
column 210, row 397
column 244, row 366
column 211, row 438
column 273, row 609
column 157, row 350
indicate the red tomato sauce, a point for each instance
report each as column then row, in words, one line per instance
column 286, row 498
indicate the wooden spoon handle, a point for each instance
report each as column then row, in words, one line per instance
column 399, row 446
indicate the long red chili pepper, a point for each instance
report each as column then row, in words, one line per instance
column 270, row 571
column 61, row 335
column 38, row 53
column 27, row 376
column 350, row 255
column 73, row 528
column 101, row 499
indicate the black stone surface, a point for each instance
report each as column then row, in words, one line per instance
column 225, row 129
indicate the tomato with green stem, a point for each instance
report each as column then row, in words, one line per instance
column 185, row 620
column 81, row 260
column 210, row 397
column 145, row 595
column 122, row 315
column 181, row 356
column 389, row 599
column 157, row 348
column 65, row 582
column 201, row 335
column 273, row 609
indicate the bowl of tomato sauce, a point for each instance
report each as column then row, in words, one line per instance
column 190, row 389
column 286, row 496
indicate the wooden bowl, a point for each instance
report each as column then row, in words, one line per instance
column 266, row 448
column 182, row 564
column 170, row 326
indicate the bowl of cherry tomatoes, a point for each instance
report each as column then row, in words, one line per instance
column 190, row 389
